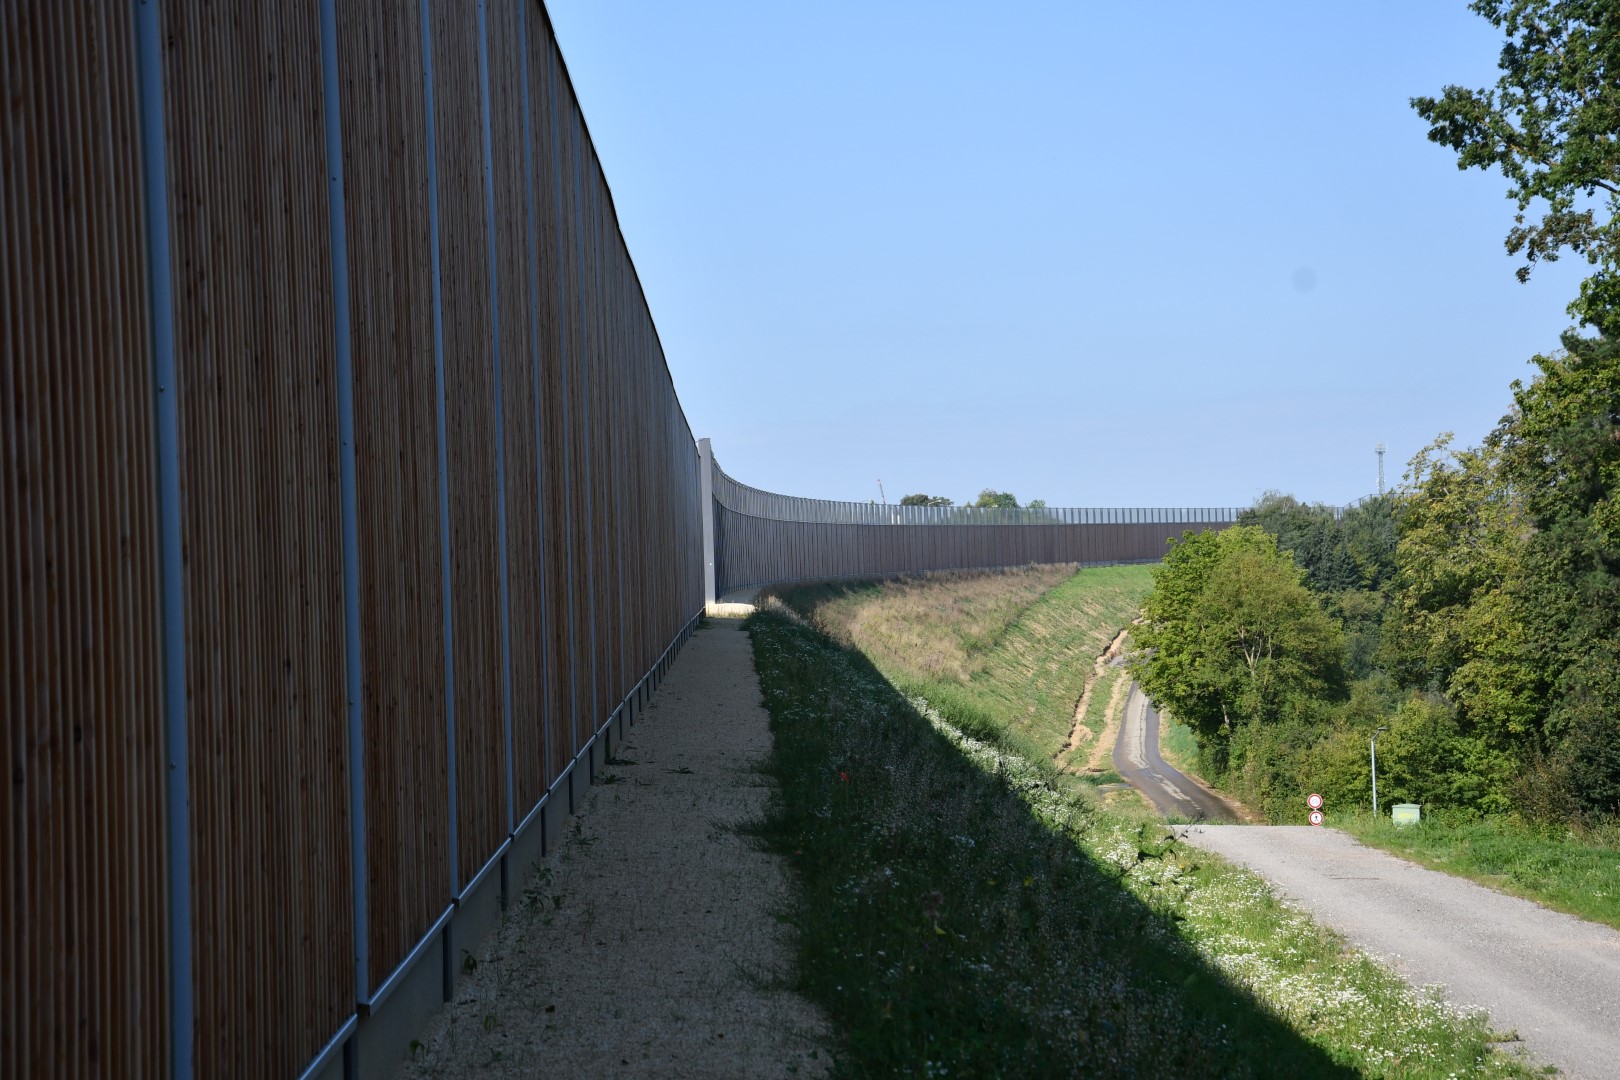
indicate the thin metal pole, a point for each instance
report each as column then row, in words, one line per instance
column 531, row 232
column 583, row 343
column 562, row 367
column 1372, row 747
column 353, row 684
column 500, row 418
column 160, row 298
column 444, row 454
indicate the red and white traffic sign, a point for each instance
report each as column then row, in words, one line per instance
column 1314, row 801
column 1316, row 817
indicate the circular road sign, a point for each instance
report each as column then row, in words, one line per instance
column 1314, row 801
column 1316, row 817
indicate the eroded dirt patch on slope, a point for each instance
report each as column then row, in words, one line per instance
column 1079, row 733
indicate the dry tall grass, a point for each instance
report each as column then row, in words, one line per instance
column 934, row 626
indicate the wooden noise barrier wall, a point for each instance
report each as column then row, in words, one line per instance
column 349, row 513
column 349, row 516
column 762, row 538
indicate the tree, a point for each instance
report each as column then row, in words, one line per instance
column 1561, row 455
column 1370, row 531
column 1310, row 533
column 1550, row 125
column 925, row 500
column 1036, row 504
column 990, row 497
column 1466, row 601
column 1458, row 545
column 1231, row 635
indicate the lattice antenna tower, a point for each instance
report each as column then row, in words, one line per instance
column 1380, row 448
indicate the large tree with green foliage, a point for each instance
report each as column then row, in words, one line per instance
column 1561, row 457
column 1232, row 636
column 1550, row 125
column 990, row 498
column 925, row 500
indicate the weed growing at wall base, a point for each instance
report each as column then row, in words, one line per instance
column 965, row 912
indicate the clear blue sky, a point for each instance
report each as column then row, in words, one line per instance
column 1096, row 254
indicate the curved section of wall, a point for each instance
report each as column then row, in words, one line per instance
column 762, row 538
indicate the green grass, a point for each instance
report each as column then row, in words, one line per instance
column 1177, row 744
column 1578, row 874
column 1008, row 650
column 966, row 911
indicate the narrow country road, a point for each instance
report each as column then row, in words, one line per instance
column 1136, row 758
column 1553, row 978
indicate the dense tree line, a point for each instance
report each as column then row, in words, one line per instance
column 1474, row 614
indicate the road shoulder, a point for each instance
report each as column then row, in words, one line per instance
column 1549, row 977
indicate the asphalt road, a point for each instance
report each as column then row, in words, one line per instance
column 1553, row 978
column 1137, row 760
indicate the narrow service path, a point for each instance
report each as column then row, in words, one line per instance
column 647, row 945
column 1553, row 978
column 1137, row 760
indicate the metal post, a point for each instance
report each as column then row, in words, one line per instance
column 531, row 234
column 567, row 470
column 337, row 225
column 706, row 502
column 1372, row 748
column 444, row 454
column 500, row 418
column 176, row 745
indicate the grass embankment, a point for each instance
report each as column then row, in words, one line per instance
column 1009, row 650
column 1177, row 744
column 1578, row 874
column 968, row 911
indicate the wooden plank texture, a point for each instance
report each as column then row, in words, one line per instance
column 271, row 873
column 600, row 487
column 83, row 939
column 407, row 812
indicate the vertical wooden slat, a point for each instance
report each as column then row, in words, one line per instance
column 506, row 60
column 83, row 970
column 260, row 525
column 470, row 435
column 401, row 604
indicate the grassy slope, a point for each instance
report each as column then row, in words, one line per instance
column 1013, row 648
column 939, row 626
column 965, row 911
column 1575, row 874
column 1177, row 745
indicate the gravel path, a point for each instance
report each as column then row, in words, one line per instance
column 648, row 945
column 1553, row 978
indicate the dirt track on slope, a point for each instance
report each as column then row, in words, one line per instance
column 1078, row 732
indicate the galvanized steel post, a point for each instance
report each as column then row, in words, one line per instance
column 504, row 575
column 337, row 225
column 160, row 298
column 444, row 453
column 531, row 235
